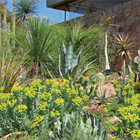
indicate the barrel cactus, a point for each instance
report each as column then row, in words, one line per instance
column 100, row 78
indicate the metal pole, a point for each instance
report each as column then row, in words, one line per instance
column 65, row 16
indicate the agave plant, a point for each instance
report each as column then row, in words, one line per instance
column 69, row 65
column 80, row 126
column 125, row 43
column 103, row 95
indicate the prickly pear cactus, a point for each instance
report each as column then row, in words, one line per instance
column 137, row 58
column 132, row 75
column 100, row 78
column 139, row 67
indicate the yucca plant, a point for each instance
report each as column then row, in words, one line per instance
column 38, row 37
column 25, row 9
column 125, row 43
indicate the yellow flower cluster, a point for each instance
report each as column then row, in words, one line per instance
column 85, row 97
column 118, row 89
column 54, row 113
column 21, row 108
column 77, row 101
column 131, row 92
column 42, row 105
column 93, row 93
column 135, row 134
column 18, row 88
column 59, row 101
column 56, row 91
column 30, row 92
column 5, row 97
column 115, row 127
column 36, row 121
column 128, row 86
column 70, row 78
column 87, row 79
column 131, row 114
column 105, row 109
column 35, row 82
column 49, row 81
column 12, row 102
column 115, row 82
column 118, row 86
column 124, row 92
column 42, row 86
column 45, row 96
column 128, row 114
column 131, row 80
column 3, row 106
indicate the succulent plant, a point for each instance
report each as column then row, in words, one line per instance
column 69, row 64
column 80, row 126
column 103, row 95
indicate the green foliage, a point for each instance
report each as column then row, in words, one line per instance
column 113, row 109
column 113, row 75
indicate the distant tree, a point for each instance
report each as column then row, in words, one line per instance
column 8, row 13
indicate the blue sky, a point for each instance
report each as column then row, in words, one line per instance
column 54, row 15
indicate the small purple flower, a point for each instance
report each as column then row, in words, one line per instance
column 37, row 69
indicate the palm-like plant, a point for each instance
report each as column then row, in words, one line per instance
column 106, row 22
column 26, row 8
column 125, row 43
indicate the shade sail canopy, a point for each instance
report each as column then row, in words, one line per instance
column 83, row 6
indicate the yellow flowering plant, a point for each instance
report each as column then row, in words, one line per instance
column 123, row 92
column 130, row 116
column 48, row 101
